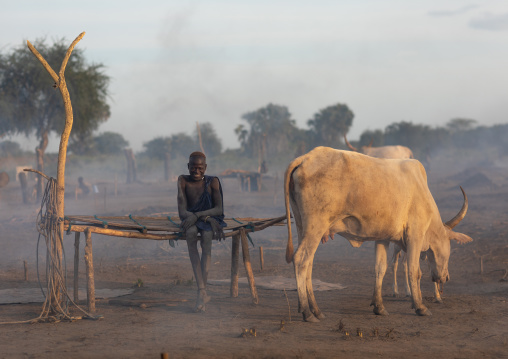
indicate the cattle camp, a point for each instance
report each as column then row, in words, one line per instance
column 176, row 235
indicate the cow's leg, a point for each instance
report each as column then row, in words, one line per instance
column 310, row 293
column 406, row 275
column 413, row 261
column 396, row 256
column 302, row 259
column 381, row 265
column 437, row 294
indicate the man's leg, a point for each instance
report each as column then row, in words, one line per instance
column 192, row 244
column 206, row 254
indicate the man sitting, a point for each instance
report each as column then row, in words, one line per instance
column 200, row 207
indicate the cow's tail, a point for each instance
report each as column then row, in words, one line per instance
column 287, row 178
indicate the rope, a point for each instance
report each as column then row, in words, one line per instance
column 248, row 226
column 56, row 304
column 104, row 223
column 139, row 224
column 169, row 218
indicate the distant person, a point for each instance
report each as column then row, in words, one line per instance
column 85, row 188
column 200, row 207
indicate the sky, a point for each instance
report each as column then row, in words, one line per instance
column 173, row 63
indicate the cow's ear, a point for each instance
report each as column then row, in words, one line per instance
column 459, row 237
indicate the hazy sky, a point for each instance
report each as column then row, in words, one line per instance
column 173, row 63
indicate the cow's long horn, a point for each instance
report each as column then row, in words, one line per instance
column 349, row 145
column 462, row 213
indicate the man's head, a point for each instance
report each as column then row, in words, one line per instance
column 197, row 165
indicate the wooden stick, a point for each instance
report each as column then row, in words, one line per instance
column 261, row 258
column 199, row 137
column 90, row 283
column 76, row 267
column 235, row 253
column 25, row 266
column 248, row 266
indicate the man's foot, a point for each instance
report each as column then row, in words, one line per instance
column 203, row 298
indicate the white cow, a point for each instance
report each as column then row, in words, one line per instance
column 365, row 199
column 394, row 152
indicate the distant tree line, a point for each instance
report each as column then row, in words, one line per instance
column 28, row 105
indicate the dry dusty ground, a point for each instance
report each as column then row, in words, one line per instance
column 471, row 323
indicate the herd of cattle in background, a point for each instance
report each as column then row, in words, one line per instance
column 373, row 194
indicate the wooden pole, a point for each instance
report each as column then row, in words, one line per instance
column 90, row 282
column 105, row 195
column 235, row 253
column 248, row 266
column 167, row 161
column 127, row 153
column 24, row 186
column 25, row 266
column 261, row 258
column 76, row 267
column 199, row 137
column 61, row 84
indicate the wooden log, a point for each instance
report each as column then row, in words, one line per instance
column 248, row 266
column 76, row 267
column 235, row 253
column 164, row 355
column 261, row 258
column 90, row 282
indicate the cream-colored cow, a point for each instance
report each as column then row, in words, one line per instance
column 394, row 152
column 362, row 199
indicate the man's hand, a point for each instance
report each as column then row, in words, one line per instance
column 218, row 232
column 189, row 222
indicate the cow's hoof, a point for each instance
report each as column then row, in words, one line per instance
column 380, row 311
column 310, row 318
column 396, row 295
column 319, row 315
column 423, row 312
column 438, row 300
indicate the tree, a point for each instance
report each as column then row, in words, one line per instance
column 271, row 131
column 157, row 147
column 30, row 106
column 330, row 125
column 376, row 138
column 460, row 124
column 211, row 142
column 179, row 144
column 10, row 148
column 110, row 143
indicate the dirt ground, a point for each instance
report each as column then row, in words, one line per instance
column 472, row 322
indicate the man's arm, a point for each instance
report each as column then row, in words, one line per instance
column 182, row 200
column 217, row 201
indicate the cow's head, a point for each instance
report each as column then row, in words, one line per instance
column 439, row 248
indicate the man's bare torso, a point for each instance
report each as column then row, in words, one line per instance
column 194, row 190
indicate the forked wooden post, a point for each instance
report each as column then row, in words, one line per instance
column 61, row 84
column 248, row 266
column 235, row 253
column 76, row 267
column 261, row 258
column 90, row 282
